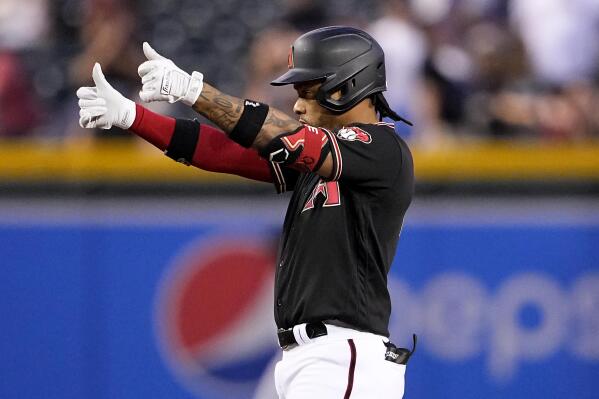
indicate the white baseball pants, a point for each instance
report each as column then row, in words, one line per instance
column 343, row 364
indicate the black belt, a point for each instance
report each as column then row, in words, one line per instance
column 313, row 330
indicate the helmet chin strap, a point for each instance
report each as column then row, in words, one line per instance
column 382, row 107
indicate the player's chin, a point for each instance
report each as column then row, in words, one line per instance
column 321, row 122
column 306, row 121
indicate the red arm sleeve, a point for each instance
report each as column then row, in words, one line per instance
column 214, row 152
column 154, row 128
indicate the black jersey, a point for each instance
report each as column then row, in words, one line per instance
column 340, row 235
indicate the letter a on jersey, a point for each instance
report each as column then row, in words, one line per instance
column 330, row 191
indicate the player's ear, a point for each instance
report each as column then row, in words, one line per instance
column 336, row 95
column 371, row 102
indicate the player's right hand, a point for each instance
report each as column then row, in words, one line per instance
column 162, row 80
column 102, row 106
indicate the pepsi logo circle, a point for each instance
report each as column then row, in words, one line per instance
column 214, row 320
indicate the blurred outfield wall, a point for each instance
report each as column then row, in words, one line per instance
column 136, row 298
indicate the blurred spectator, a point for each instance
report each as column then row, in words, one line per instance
column 304, row 15
column 20, row 112
column 405, row 51
column 509, row 100
column 267, row 60
column 445, row 74
column 108, row 37
column 23, row 24
column 460, row 69
column 560, row 37
column 584, row 96
column 500, row 101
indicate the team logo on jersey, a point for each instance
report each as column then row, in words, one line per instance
column 329, row 190
column 354, row 134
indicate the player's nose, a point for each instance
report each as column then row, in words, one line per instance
column 299, row 107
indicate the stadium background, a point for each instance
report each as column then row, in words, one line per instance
column 126, row 275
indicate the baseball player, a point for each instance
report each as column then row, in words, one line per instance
column 352, row 181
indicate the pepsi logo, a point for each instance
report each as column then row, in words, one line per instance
column 214, row 316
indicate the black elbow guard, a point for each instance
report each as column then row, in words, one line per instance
column 184, row 141
column 250, row 123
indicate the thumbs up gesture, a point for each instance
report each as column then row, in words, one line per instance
column 102, row 106
column 162, row 80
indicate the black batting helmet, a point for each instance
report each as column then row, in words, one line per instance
column 347, row 60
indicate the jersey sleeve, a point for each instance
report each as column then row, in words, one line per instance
column 365, row 155
column 284, row 178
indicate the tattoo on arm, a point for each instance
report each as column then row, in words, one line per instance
column 225, row 111
column 220, row 108
column 276, row 122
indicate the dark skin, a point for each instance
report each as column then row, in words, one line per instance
column 225, row 111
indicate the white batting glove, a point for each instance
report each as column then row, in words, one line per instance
column 162, row 80
column 102, row 106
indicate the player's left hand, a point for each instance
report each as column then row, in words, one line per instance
column 102, row 106
column 162, row 80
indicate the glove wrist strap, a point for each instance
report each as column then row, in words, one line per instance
column 196, row 84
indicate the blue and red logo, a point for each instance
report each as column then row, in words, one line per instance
column 214, row 317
